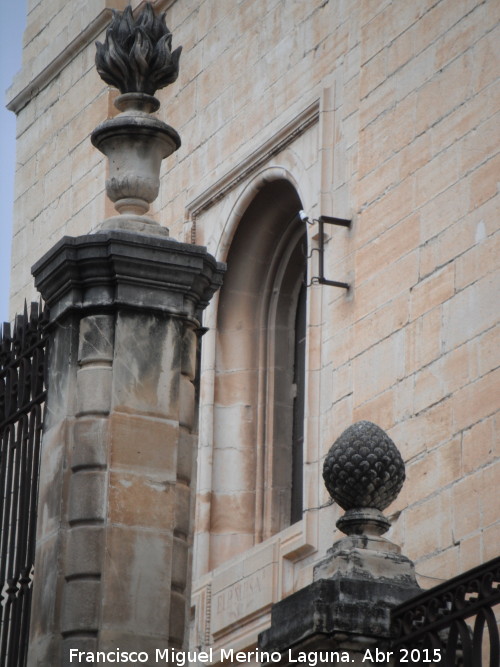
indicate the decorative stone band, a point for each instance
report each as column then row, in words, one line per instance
column 125, row 269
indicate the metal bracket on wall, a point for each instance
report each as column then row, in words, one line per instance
column 321, row 280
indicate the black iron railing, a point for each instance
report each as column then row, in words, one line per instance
column 453, row 624
column 22, row 395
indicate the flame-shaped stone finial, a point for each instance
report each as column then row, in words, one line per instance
column 136, row 56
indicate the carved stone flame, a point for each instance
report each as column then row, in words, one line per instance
column 136, row 56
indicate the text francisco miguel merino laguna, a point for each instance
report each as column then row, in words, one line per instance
column 185, row 658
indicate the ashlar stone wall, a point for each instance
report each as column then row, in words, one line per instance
column 384, row 112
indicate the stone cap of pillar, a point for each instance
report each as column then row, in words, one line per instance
column 125, row 269
column 331, row 613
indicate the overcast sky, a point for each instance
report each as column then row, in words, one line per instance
column 11, row 34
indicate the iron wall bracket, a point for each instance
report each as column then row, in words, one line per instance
column 320, row 279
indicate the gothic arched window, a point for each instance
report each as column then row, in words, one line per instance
column 260, row 376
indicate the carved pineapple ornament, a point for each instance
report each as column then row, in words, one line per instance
column 363, row 472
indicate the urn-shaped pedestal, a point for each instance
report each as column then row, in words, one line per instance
column 135, row 144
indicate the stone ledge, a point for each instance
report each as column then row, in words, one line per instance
column 333, row 607
column 126, row 269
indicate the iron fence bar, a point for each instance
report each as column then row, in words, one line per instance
column 437, row 618
column 22, row 398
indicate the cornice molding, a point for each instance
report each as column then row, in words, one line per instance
column 271, row 147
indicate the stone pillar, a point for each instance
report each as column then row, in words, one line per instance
column 115, row 513
column 118, row 454
column 345, row 612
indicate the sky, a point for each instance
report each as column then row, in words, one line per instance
column 11, row 35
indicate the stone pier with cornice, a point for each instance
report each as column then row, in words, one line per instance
column 115, row 517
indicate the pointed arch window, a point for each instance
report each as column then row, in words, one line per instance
column 260, row 376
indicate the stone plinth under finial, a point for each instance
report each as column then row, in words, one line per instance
column 136, row 58
column 363, row 575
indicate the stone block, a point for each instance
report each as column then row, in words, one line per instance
column 147, row 365
column 470, row 554
column 45, row 587
column 379, row 410
column 423, row 340
column 224, row 547
column 177, row 618
column 61, row 400
column 491, row 540
column 96, row 339
column 485, row 60
column 470, row 312
column 84, row 551
column 483, row 182
column 94, row 390
column 490, row 497
column 52, row 479
column 87, row 496
column 479, row 145
column 476, row 401
column 467, row 494
column 182, row 510
column 189, row 354
column 136, row 583
column 145, row 501
column 233, row 513
column 235, row 423
column 179, row 573
column 389, row 318
column 373, row 73
column 235, row 386
column 425, row 430
column 478, row 445
column 390, row 281
column 439, row 567
column 81, row 604
column 479, row 260
column 90, row 442
column 440, row 94
column 430, row 531
column 144, row 443
column 186, row 449
column 431, row 292
column 187, row 402
column 378, row 368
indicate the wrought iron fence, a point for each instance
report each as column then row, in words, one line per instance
column 22, row 395
column 453, row 624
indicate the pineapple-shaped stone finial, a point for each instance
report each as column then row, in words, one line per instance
column 363, row 473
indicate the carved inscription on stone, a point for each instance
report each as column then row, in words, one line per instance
column 242, row 598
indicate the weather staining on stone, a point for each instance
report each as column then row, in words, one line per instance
column 363, row 468
column 136, row 56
